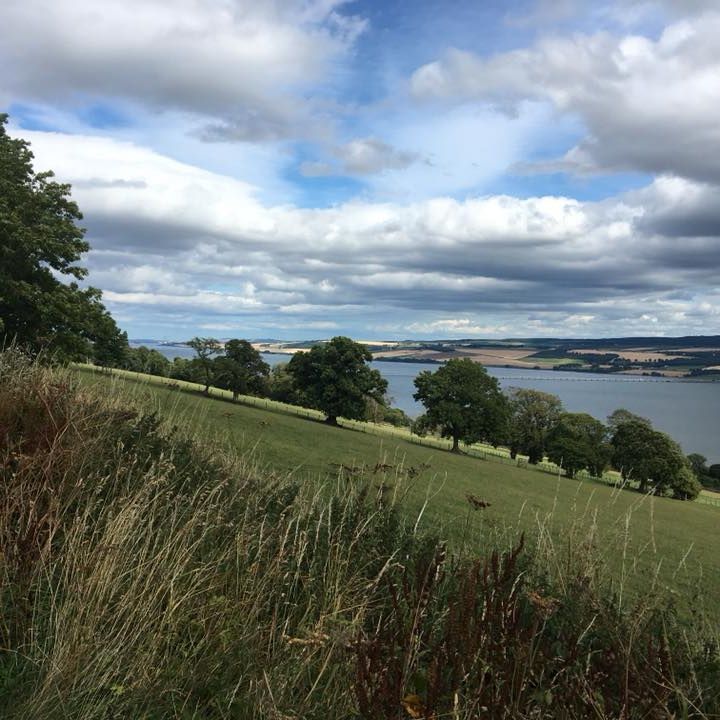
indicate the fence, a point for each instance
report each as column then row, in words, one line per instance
column 478, row 450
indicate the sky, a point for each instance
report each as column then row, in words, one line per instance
column 387, row 170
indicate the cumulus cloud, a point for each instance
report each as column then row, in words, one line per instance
column 490, row 262
column 648, row 105
column 362, row 156
column 365, row 156
column 246, row 63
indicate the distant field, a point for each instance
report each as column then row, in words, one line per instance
column 486, row 356
column 632, row 355
column 552, row 362
column 641, row 538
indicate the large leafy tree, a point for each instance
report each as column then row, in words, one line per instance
column 463, row 402
column 532, row 415
column 145, row 360
column 282, row 387
column 335, row 377
column 110, row 346
column 241, row 370
column 652, row 459
column 578, row 442
column 42, row 306
column 205, row 349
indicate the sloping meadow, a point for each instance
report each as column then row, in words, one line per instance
column 143, row 575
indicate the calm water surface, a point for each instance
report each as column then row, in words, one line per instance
column 688, row 411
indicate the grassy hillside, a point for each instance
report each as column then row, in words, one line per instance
column 145, row 575
column 642, row 539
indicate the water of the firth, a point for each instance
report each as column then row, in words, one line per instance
column 688, row 411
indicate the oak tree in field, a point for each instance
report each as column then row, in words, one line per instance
column 462, row 402
column 205, row 349
column 532, row 415
column 281, row 385
column 653, row 460
column 145, row 360
column 110, row 346
column 578, row 442
column 42, row 306
column 241, row 369
column 698, row 464
column 336, row 378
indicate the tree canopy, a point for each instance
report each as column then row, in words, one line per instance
column 532, row 415
column 241, row 369
column 621, row 415
column 463, row 402
column 578, row 442
column 42, row 306
column 205, row 349
column 335, row 377
column 652, row 459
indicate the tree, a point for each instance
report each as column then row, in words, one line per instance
column 383, row 412
column 578, row 442
column 281, row 386
column 698, row 464
column 110, row 348
column 532, row 415
column 335, row 377
column 648, row 456
column 686, row 485
column 205, row 349
column 241, row 370
column 145, row 360
column 462, row 401
column 185, row 369
column 40, row 242
column 620, row 416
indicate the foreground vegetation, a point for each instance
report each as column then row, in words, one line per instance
column 144, row 575
column 644, row 540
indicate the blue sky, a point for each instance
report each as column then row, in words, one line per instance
column 405, row 169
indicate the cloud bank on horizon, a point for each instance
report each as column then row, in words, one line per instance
column 411, row 169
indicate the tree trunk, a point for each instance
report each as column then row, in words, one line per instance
column 235, row 395
column 456, row 444
column 331, row 420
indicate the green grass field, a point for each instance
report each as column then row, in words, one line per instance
column 641, row 539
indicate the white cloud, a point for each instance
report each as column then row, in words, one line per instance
column 364, row 156
column 497, row 261
column 246, row 63
column 648, row 105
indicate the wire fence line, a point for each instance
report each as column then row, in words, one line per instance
column 478, row 450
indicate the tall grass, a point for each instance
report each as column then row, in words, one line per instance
column 144, row 576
